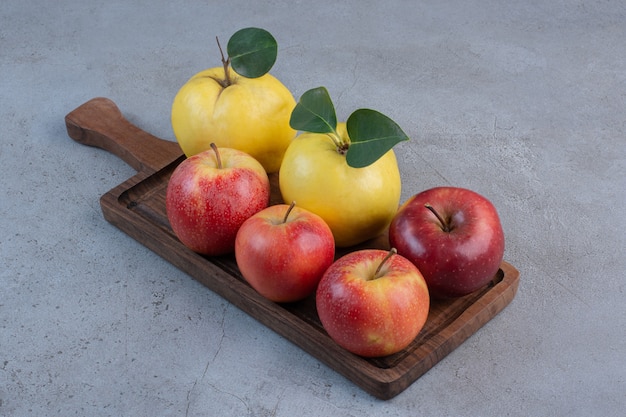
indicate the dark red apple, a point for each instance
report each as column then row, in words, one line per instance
column 454, row 237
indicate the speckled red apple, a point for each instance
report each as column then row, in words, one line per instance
column 283, row 251
column 373, row 302
column 211, row 194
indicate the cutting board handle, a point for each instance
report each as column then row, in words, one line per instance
column 100, row 123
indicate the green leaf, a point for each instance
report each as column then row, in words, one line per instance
column 314, row 112
column 372, row 134
column 252, row 52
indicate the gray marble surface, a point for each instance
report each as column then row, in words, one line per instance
column 523, row 102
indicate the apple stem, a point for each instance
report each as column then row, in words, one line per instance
column 391, row 252
column 217, row 155
column 226, row 63
column 291, row 206
column 444, row 225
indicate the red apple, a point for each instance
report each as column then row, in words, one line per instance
column 453, row 236
column 283, row 251
column 210, row 195
column 373, row 302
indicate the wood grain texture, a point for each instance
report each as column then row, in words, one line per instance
column 137, row 207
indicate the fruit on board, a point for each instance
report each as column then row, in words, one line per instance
column 210, row 195
column 453, row 235
column 283, row 251
column 373, row 302
column 238, row 105
column 357, row 203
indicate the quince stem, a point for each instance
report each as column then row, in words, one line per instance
column 226, row 63
column 340, row 144
column 391, row 252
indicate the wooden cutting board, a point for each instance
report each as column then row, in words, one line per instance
column 137, row 207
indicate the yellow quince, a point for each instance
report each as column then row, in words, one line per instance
column 249, row 114
column 357, row 203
